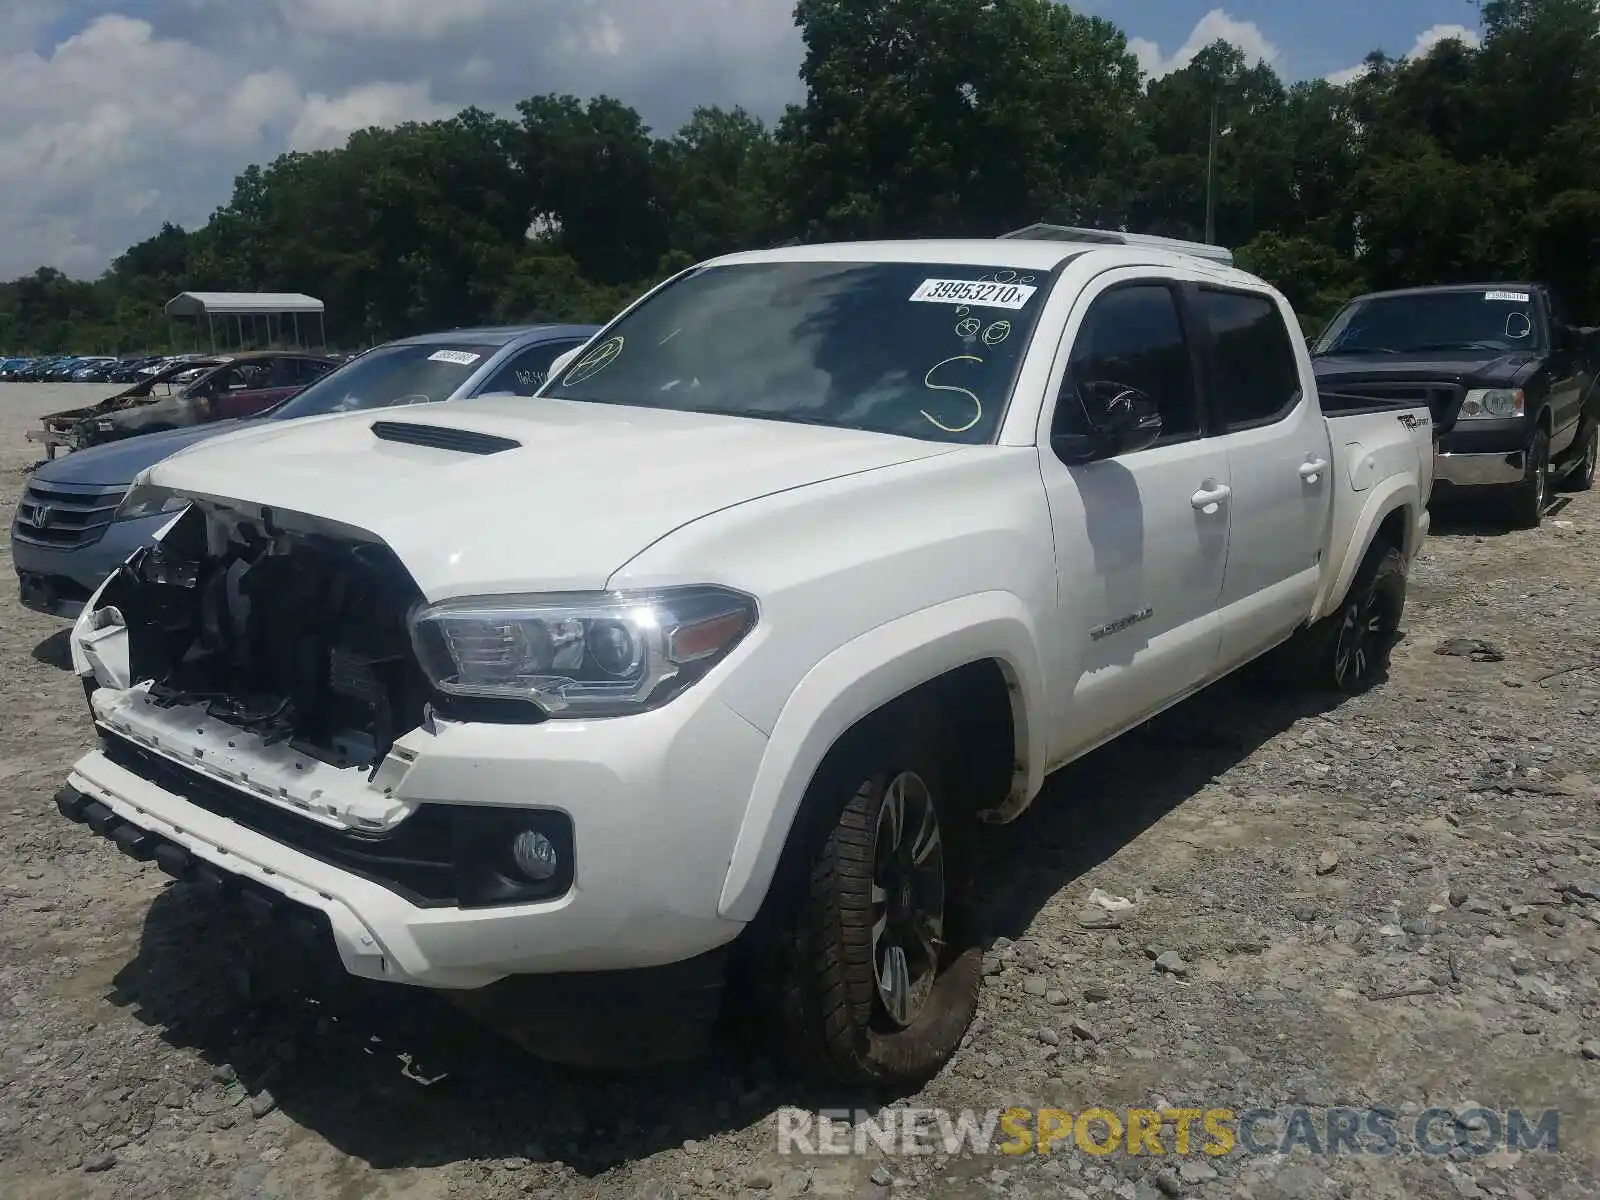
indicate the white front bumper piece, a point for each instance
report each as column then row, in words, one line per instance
column 306, row 841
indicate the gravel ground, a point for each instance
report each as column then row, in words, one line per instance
column 1394, row 902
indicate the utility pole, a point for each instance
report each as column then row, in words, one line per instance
column 1211, row 177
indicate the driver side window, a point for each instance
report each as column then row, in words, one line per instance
column 1131, row 337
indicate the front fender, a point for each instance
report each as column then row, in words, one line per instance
column 857, row 679
column 1384, row 498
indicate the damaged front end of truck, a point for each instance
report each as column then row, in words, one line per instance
column 283, row 626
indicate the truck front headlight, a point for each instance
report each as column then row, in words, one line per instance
column 580, row 654
column 1495, row 403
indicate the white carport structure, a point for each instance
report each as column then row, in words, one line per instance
column 256, row 307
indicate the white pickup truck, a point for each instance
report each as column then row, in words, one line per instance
column 706, row 664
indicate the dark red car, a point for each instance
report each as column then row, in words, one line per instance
column 241, row 387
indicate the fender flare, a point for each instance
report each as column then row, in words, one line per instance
column 856, row 680
column 1391, row 494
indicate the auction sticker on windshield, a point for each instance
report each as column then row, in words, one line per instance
column 460, row 357
column 1512, row 297
column 967, row 291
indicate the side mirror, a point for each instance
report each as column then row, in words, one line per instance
column 1122, row 420
column 562, row 362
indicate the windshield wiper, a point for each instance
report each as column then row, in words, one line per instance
column 1459, row 346
column 765, row 414
column 1333, row 350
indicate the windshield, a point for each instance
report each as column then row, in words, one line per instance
column 1422, row 321
column 389, row 375
column 918, row 349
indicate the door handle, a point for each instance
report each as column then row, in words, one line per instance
column 1209, row 499
column 1312, row 471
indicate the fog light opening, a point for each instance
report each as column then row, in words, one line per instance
column 534, row 855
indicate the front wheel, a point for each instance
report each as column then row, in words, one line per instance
column 882, row 986
column 1530, row 496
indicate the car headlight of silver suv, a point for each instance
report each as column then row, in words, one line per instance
column 589, row 654
column 1491, row 403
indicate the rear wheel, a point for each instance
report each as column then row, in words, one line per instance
column 1530, row 496
column 1581, row 477
column 881, row 983
column 1348, row 650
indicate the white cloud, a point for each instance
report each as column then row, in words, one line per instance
column 98, row 134
column 1426, row 41
column 325, row 122
column 411, row 20
column 130, row 122
column 1429, row 38
column 1215, row 26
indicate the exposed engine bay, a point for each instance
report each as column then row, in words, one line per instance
column 280, row 624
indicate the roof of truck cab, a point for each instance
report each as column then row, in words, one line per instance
column 1022, row 254
column 1493, row 285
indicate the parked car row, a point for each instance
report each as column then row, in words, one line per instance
column 105, row 368
column 591, row 676
column 65, row 368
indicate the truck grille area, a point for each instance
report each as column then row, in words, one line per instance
column 66, row 516
column 443, row 855
column 297, row 636
column 414, row 861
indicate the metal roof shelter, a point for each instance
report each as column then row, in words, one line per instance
column 256, row 306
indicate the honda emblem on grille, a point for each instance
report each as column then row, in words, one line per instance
column 42, row 516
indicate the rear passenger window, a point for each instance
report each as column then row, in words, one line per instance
column 1254, row 377
column 1132, row 336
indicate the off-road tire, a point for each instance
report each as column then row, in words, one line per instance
column 1581, row 477
column 835, row 1025
column 1322, row 659
column 1529, row 497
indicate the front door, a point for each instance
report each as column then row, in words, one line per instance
column 1142, row 537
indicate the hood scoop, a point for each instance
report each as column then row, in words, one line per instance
column 440, row 437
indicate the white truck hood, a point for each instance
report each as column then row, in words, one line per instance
column 588, row 488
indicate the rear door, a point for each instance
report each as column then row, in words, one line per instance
column 1279, row 460
column 1569, row 379
column 1142, row 537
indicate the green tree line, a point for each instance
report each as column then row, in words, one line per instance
column 921, row 118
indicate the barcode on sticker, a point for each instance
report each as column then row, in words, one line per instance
column 967, row 291
column 1512, row 297
column 460, row 357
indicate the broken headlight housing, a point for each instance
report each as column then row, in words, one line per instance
column 144, row 499
column 580, row 654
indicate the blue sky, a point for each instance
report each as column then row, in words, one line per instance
column 117, row 115
column 1313, row 37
